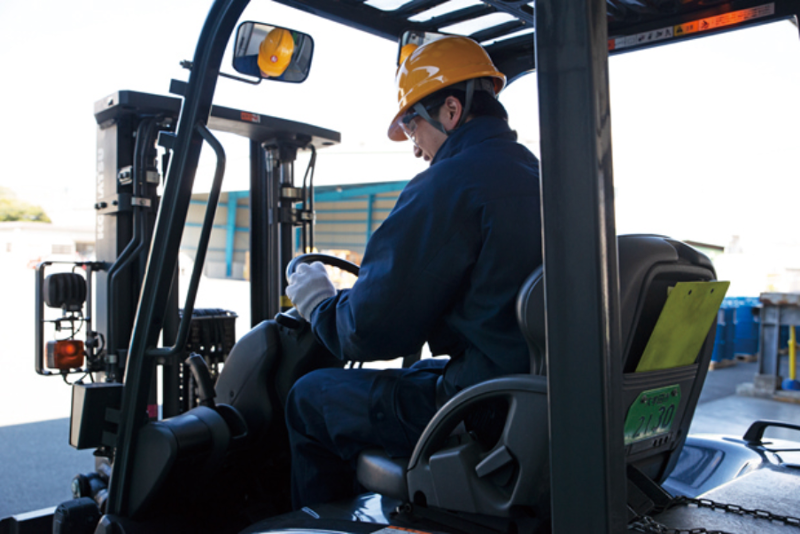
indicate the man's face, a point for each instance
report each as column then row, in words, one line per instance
column 426, row 138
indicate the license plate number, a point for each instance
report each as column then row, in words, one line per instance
column 652, row 413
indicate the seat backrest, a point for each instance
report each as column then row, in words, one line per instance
column 649, row 266
column 487, row 475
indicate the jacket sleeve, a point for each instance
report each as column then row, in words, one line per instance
column 414, row 267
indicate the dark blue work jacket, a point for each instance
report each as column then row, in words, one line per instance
column 446, row 265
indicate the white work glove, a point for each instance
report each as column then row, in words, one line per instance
column 308, row 286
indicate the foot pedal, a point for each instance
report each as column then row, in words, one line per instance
column 78, row 516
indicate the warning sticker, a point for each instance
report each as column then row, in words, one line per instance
column 251, row 117
column 640, row 38
column 736, row 17
column 685, row 29
column 701, row 25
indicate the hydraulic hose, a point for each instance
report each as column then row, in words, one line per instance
column 307, row 234
column 138, row 244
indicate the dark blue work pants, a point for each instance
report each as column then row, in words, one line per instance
column 334, row 414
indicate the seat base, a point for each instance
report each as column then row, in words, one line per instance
column 382, row 474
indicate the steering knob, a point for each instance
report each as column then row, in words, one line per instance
column 327, row 259
column 286, row 320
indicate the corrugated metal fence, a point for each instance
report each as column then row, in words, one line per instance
column 347, row 215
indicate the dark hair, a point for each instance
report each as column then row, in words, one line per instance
column 483, row 102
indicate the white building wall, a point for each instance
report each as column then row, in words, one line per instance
column 30, row 243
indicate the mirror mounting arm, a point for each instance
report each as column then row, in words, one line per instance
column 186, row 64
column 255, row 81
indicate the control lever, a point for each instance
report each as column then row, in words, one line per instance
column 205, row 387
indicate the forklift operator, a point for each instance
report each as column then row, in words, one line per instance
column 444, row 268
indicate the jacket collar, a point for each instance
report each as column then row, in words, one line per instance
column 471, row 133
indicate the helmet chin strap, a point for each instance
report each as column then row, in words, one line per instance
column 422, row 112
column 467, row 103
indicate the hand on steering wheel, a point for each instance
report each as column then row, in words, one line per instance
column 327, row 259
column 309, row 284
column 308, row 287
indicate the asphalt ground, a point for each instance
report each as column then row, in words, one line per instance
column 37, row 464
column 722, row 382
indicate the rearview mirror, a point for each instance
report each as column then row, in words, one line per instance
column 272, row 52
column 411, row 40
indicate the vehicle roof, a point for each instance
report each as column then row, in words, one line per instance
column 505, row 27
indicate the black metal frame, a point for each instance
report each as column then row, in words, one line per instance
column 580, row 268
column 513, row 56
column 196, row 108
column 259, row 230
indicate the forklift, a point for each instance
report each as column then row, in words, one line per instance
column 214, row 460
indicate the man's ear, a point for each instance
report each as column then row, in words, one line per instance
column 451, row 112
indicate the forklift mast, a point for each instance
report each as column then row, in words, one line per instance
column 126, row 205
column 129, row 124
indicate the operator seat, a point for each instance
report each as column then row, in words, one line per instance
column 467, row 473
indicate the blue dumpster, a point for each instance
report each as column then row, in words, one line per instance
column 719, row 342
column 724, row 342
column 747, row 326
column 737, row 328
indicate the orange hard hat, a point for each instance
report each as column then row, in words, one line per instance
column 406, row 51
column 436, row 65
column 275, row 52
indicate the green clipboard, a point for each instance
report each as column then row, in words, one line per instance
column 683, row 325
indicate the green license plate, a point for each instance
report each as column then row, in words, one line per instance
column 652, row 413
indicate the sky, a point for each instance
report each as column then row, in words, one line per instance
column 704, row 132
column 81, row 51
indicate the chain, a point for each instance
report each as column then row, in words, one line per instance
column 648, row 525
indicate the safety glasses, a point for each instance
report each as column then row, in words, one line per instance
column 408, row 122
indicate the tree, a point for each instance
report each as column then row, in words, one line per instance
column 12, row 209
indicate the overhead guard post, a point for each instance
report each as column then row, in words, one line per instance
column 218, row 27
column 580, row 268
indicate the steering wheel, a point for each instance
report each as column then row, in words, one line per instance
column 327, row 259
column 291, row 318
